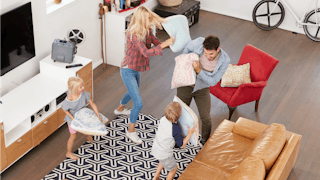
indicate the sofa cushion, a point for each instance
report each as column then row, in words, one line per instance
column 248, row 128
column 250, row 168
column 269, row 144
column 224, row 150
column 196, row 170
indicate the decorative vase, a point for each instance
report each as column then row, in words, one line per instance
column 57, row 1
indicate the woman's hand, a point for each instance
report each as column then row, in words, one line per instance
column 167, row 43
column 171, row 40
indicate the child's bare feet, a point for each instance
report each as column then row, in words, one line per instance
column 89, row 138
column 72, row 156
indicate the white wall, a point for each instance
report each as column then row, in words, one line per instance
column 242, row 9
column 81, row 13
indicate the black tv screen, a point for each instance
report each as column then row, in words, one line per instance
column 17, row 40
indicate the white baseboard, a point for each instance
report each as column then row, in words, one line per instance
column 298, row 30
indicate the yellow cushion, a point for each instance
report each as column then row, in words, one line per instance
column 250, row 168
column 236, row 75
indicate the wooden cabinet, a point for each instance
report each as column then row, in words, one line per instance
column 60, row 115
column 20, row 134
column 86, row 75
column 19, row 147
column 45, row 129
column 4, row 162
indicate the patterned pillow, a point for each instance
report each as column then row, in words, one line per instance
column 188, row 119
column 87, row 122
column 178, row 27
column 184, row 74
column 236, row 75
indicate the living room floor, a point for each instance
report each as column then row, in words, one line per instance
column 292, row 96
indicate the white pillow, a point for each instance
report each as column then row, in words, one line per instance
column 188, row 119
column 184, row 74
column 87, row 122
column 178, row 27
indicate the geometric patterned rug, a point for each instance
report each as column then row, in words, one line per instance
column 113, row 156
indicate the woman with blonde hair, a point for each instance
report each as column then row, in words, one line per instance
column 139, row 38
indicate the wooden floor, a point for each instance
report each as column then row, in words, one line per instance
column 292, row 96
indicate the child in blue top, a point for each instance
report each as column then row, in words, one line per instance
column 169, row 134
column 76, row 100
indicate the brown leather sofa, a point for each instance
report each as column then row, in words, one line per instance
column 245, row 150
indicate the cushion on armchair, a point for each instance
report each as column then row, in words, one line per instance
column 268, row 145
column 184, row 74
column 236, row 75
column 252, row 168
column 87, row 122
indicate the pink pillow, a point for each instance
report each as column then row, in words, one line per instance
column 184, row 74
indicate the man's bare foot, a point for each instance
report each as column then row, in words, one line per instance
column 72, row 156
column 156, row 178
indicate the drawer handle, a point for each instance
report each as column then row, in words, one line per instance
column 45, row 122
column 19, row 140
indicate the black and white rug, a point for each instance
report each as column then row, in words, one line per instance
column 114, row 156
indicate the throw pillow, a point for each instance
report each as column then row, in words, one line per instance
column 188, row 119
column 184, row 74
column 236, row 75
column 178, row 27
column 249, row 168
column 87, row 122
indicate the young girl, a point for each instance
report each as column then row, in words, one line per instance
column 76, row 100
column 138, row 50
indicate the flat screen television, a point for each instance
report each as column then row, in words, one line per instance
column 17, row 40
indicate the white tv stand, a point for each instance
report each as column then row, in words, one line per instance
column 18, row 134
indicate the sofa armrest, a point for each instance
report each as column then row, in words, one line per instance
column 284, row 164
column 251, row 129
column 248, row 128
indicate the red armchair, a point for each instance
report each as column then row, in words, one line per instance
column 261, row 66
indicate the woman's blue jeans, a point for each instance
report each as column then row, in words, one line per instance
column 131, row 79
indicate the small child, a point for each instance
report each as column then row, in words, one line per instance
column 76, row 100
column 169, row 134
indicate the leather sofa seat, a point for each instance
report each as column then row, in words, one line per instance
column 245, row 150
column 224, row 150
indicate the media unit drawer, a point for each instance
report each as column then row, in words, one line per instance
column 61, row 115
column 19, row 147
column 45, row 129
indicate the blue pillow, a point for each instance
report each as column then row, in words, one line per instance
column 178, row 27
column 188, row 119
column 87, row 122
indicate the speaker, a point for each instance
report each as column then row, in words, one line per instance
column 39, row 114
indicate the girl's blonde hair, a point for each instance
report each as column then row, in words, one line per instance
column 140, row 25
column 73, row 84
column 173, row 112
